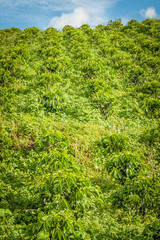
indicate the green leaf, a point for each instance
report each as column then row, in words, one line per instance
column 47, row 217
column 4, row 212
column 42, row 235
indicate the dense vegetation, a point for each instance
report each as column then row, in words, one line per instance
column 80, row 132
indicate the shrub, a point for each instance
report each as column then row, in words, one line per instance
column 52, row 140
column 150, row 137
column 152, row 107
column 125, row 165
column 152, row 231
column 140, row 193
column 115, row 142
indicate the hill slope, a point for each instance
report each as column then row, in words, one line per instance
column 80, row 139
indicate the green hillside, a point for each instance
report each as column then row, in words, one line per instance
column 80, row 132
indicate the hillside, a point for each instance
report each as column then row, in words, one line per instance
column 80, row 132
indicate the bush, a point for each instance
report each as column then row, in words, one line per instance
column 52, row 140
column 125, row 165
column 140, row 193
column 152, row 107
column 152, row 231
column 115, row 142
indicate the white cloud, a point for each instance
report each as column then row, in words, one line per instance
column 76, row 19
column 83, row 11
column 149, row 13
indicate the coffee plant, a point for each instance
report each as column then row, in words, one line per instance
column 79, row 132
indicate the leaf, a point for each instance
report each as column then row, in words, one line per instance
column 42, row 235
column 4, row 212
column 47, row 217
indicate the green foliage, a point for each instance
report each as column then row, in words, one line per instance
column 141, row 193
column 115, row 142
column 4, row 212
column 151, row 136
column 152, row 107
column 52, row 140
column 152, row 231
column 125, row 165
column 79, row 136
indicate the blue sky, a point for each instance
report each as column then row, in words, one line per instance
column 52, row 13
